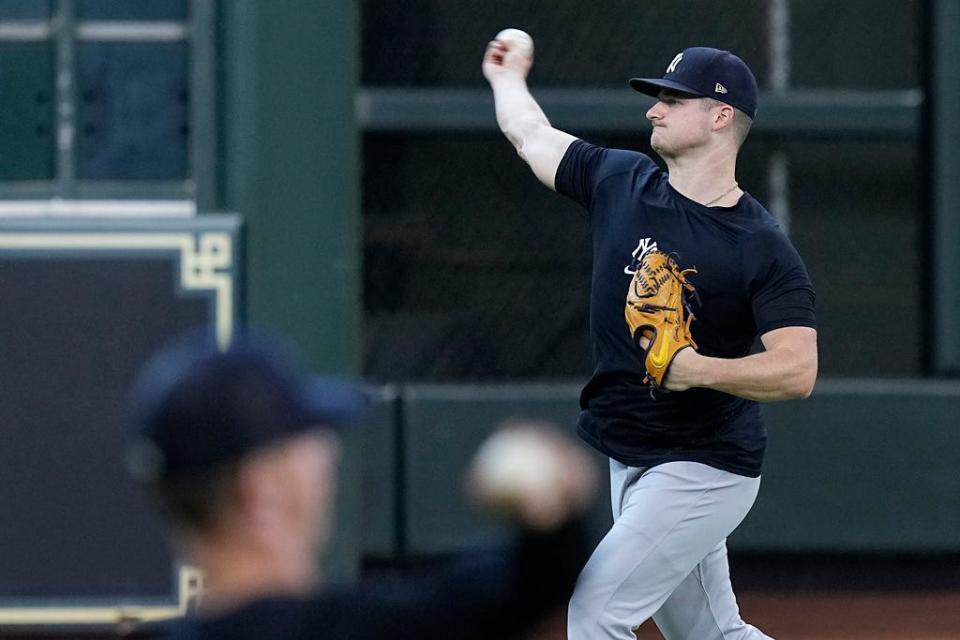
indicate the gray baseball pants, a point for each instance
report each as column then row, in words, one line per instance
column 665, row 556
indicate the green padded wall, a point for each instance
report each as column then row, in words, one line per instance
column 443, row 426
column 861, row 466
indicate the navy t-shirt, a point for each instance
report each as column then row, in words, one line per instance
column 749, row 280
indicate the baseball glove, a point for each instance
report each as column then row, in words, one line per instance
column 658, row 309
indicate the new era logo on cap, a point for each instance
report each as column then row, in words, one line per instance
column 720, row 88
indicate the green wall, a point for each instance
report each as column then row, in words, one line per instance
column 862, row 466
column 290, row 167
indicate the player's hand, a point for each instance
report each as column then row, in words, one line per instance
column 684, row 370
column 501, row 59
column 531, row 473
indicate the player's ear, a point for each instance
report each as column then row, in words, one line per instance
column 723, row 117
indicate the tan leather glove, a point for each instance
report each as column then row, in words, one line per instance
column 657, row 310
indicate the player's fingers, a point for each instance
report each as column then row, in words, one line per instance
column 646, row 335
column 494, row 52
column 495, row 46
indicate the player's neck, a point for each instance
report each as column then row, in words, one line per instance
column 233, row 577
column 709, row 178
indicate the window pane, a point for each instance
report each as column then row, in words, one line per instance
column 26, row 112
column 132, row 9
column 25, row 9
column 133, row 111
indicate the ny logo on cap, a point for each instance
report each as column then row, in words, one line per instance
column 673, row 64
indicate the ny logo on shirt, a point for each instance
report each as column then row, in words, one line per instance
column 645, row 246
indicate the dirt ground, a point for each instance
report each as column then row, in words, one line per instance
column 836, row 615
column 848, row 616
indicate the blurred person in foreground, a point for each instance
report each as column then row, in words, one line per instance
column 240, row 452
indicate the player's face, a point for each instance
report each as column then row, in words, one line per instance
column 312, row 466
column 680, row 123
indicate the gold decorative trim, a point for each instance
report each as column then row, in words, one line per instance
column 189, row 585
column 203, row 258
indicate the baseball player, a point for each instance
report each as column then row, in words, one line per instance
column 240, row 450
column 688, row 269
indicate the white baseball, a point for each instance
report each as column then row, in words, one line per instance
column 519, row 40
column 514, row 463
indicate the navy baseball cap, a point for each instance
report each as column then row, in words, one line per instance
column 708, row 73
column 195, row 406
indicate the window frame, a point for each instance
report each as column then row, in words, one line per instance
column 64, row 30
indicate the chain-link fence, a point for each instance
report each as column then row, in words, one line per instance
column 475, row 271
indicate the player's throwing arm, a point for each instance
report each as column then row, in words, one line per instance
column 506, row 64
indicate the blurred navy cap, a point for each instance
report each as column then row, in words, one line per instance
column 195, row 406
column 708, row 73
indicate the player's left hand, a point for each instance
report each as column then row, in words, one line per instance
column 683, row 371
